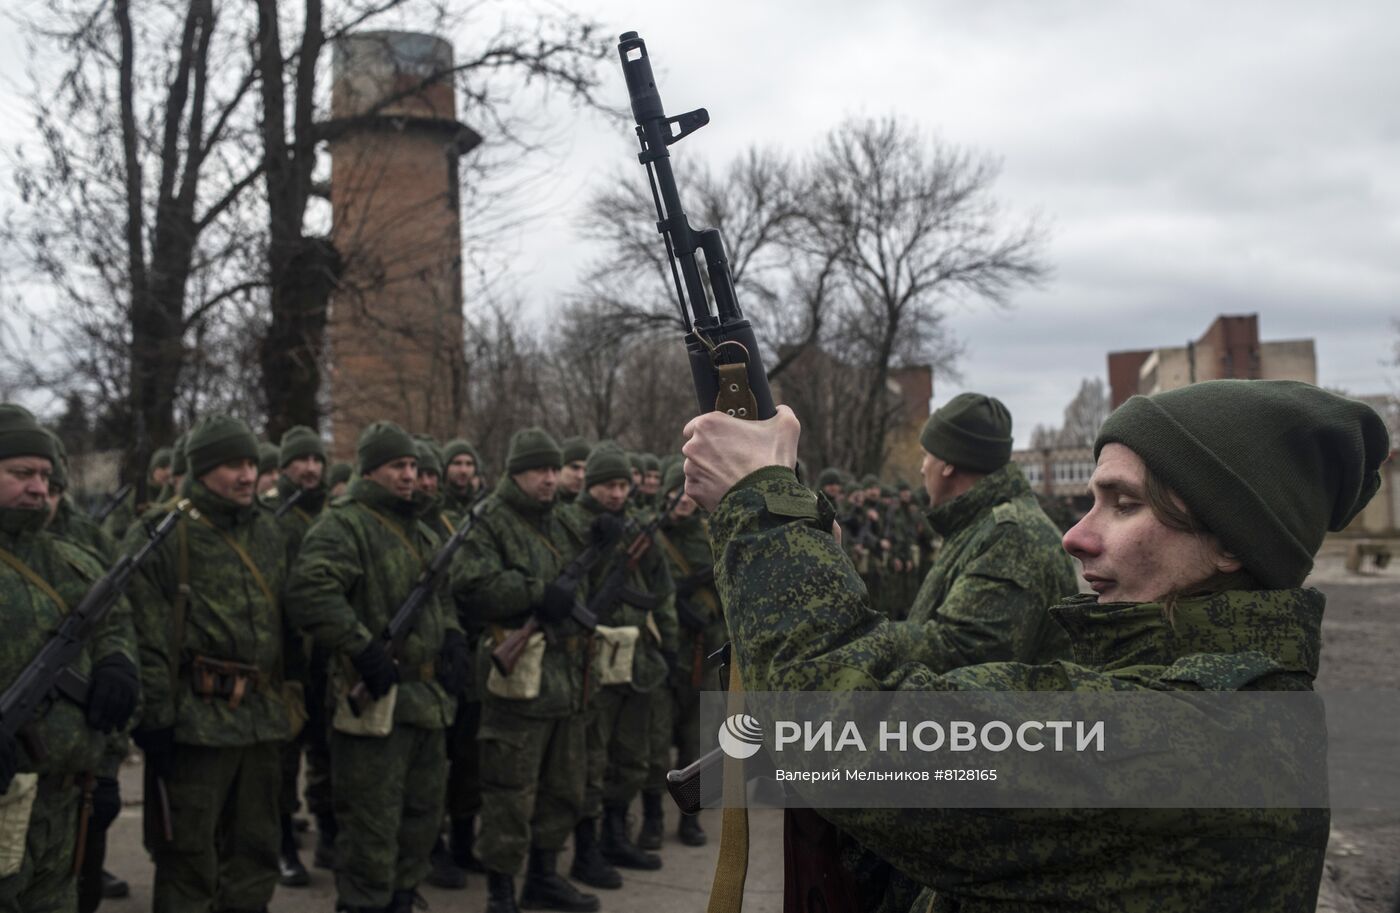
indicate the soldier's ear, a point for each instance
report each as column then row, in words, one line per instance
column 947, row 470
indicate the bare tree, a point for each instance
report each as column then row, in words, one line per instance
column 1085, row 414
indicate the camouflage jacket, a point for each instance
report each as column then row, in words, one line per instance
column 75, row 526
column 120, row 519
column 357, row 564
column 906, row 529
column 434, row 514
column 224, row 613
column 298, row 519
column 1001, row 564
column 455, row 505
column 650, row 579
column 776, row 552
column 516, row 547
column 686, row 544
column 31, row 618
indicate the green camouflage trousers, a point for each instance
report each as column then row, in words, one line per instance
column 619, row 746
column 45, row 880
column 663, row 715
column 388, row 805
column 223, row 812
column 464, row 769
column 532, row 781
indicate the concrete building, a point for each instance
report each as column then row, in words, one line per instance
column 395, row 327
column 1229, row 348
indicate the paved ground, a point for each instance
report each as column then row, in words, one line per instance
column 1361, row 646
column 682, row 885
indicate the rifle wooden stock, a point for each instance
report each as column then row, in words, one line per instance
column 509, row 651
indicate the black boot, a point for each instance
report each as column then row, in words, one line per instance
column 546, row 889
column 653, row 824
column 114, row 887
column 461, row 840
column 444, row 872
column 500, row 893
column 405, row 901
column 291, row 873
column 690, row 831
column 589, row 865
column 324, row 856
column 617, row 846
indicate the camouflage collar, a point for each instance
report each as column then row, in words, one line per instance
column 222, row 512
column 510, row 494
column 995, row 488
column 371, row 494
column 16, row 524
column 311, row 502
column 1285, row 625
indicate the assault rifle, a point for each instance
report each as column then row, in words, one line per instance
column 411, row 609
column 288, row 504
column 111, row 504
column 614, row 586
column 50, row 672
column 727, row 370
column 509, row 651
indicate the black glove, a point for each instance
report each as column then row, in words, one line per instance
column 672, row 660
column 106, row 802
column 159, row 748
column 376, row 668
column 558, row 600
column 9, row 760
column 453, row 662
column 112, row 694
column 605, row 529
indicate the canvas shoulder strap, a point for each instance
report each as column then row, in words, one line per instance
column 29, row 574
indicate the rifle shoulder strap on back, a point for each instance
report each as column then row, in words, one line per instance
column 182, row 597
column 389, row 525
column 29, row 574
column 675, row 555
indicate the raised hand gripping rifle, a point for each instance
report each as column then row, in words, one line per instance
column 50, row 672
column 411, row 609
column 727, row 369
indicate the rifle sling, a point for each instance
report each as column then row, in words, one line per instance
column 732, row 866
column 29, row 574
column 674, row 553
column 393, row 528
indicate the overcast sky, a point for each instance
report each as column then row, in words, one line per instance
column 1190, row 158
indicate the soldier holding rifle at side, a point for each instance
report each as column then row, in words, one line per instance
column 632, row 594
column 510, row 575
column 214, row 718
column 46, row 779
column 685, row 541
column 357, row 565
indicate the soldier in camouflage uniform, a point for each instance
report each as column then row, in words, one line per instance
column 267, row 468
column 297, row 500
column 126, row 512
column 356, row 566
column 684, row 539
column 620, row 734
column 41, row 577
column 987, row 595
column 650, row 486
column 532, row 739
column 1209, row 504
column 179, row 467
column 338, row 479
column 461, row 466
column 214, row 718
column 571, row 476
column 70, row 524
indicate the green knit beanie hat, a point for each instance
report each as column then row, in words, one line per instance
column 455, row 448
column 971, row 431
column 634, row 461
column 650, row 463
column 160, row 459
column 605, row 463
column 59, row 476
column 575, row 448
column 830, row 476
column 179, row 456
column 1268, row 466
column 300, row 441
column 340, row 472
column 218, row 439
column 428, row 458
column 267, row 457
column 381, row 442
column 22, row 435
column 533, row 448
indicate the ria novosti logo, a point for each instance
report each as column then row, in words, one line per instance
column 741, row 736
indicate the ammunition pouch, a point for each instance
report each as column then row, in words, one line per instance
column 223, row 679
column 617, row 649
column 523, row 683
column 16, row 806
